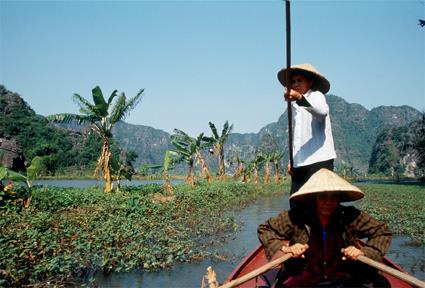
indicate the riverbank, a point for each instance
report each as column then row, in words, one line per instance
column 69, row 233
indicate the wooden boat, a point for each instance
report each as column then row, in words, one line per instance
column 258, row 258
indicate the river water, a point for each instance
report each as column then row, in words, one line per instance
column 238, row 245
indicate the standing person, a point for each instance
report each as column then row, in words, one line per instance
column 323, row 234
column 313, row 145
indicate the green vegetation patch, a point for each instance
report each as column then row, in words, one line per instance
column 402, row 207
column 70, row 233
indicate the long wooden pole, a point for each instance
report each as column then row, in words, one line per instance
column 396, row 273
column 288, row 79
column 257, row 271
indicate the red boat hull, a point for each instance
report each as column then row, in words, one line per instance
column 258, row 258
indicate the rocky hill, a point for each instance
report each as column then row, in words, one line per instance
column 355, row 131
column 400, row 150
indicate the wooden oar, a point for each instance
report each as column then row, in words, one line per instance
column 257, row 272
column 396, row 273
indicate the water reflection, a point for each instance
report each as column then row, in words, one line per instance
column 238, row 246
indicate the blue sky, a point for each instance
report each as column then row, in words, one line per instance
column 210, row 60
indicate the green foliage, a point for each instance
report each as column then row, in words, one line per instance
column 149, row 169
column 393, row 145
column 419, row 144
column 36, row 137
column 217, row 141
column 68, row 233
column 402, row 207
column 102, row 116
column 16, row 189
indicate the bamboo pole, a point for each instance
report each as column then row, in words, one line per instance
column 256, row 272
column 288, row 79
column 394, row 272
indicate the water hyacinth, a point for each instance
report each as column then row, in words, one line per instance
column 68, row 233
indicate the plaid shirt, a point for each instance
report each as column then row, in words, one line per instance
column 350, row 223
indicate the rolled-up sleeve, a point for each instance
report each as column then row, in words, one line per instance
column 274, row 231
column 318, row 105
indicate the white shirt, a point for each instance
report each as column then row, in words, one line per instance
column 312, row 141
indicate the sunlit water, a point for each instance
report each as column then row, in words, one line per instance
column 238, row 246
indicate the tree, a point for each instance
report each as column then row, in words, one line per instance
column 102, row 116
column 276, row 158
column 190, row 151
column 170, row 159
column 254, row 166
column 218, row 141
column 419, row 145
column 122, row 166
column 266, row 157
column 19, row 188
column 240, row 168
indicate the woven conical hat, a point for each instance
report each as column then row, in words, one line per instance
column 322, row 84
column 325, row 180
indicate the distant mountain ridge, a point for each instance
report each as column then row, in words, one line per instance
column 355, row 131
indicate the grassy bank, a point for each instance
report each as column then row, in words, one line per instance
column 70, row 233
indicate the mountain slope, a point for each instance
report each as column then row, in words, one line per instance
column 355, row 131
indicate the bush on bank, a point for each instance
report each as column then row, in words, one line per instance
column 69, row 233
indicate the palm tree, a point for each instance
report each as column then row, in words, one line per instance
column 102, row 116
column 217, row 141
column 189, row 151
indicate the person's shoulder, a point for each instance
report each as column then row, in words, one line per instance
column 316, row 93
column 348, row 213
column 300, row 215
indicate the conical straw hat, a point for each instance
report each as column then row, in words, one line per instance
column 322, row 84
column 325, row 180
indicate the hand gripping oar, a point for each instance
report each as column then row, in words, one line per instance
column 257, row 271
column 394, row 272
column 288, row 80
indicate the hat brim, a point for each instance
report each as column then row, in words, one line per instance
column 326, row 181
column 344, row 196
column 321, row 83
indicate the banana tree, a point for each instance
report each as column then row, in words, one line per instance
column 218, row 141
column 190, row 151
column 170, row 158
column 255, row 166
column 199, row 159
column 267, row 156
column 122, row 167
column 275, row 159
column 247, row 173
column 19, row 187
column 240, row 168
column 102, row 115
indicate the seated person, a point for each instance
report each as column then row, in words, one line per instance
column 323, row 236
